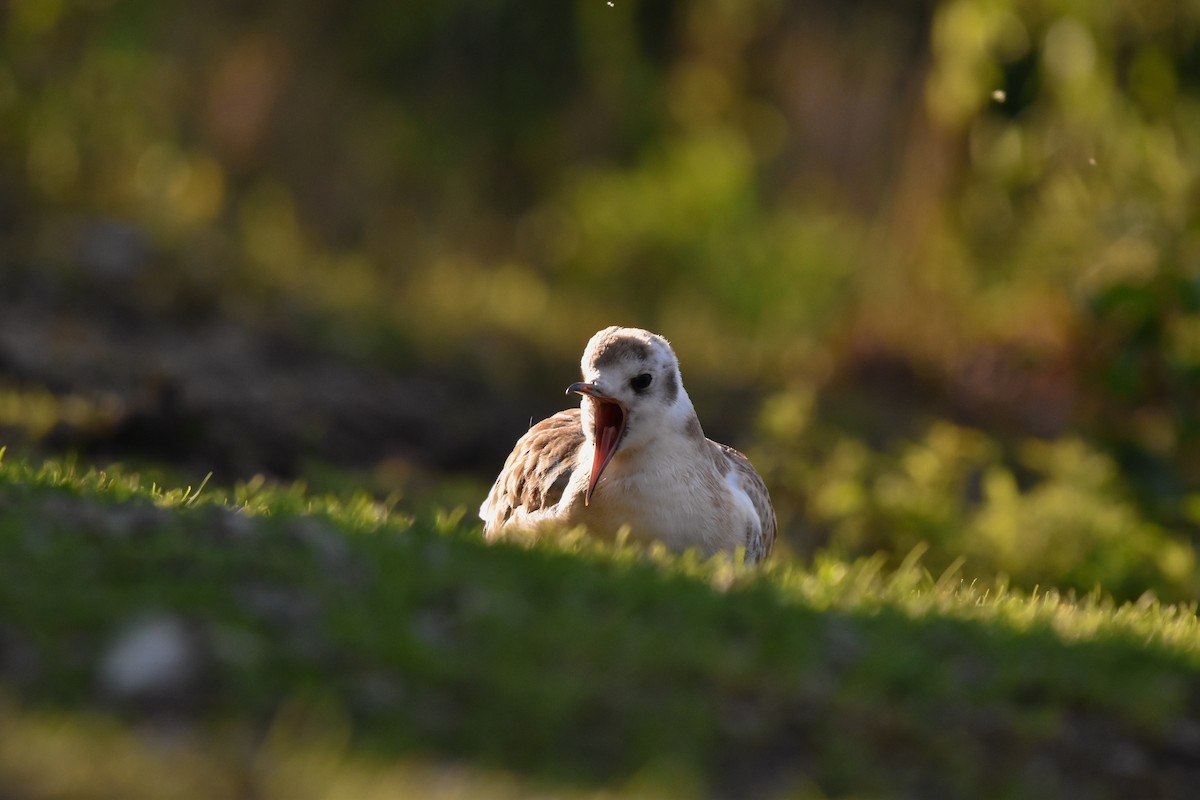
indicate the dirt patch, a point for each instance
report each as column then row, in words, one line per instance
column 209, row 394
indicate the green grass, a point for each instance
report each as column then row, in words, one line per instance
column 380, row 638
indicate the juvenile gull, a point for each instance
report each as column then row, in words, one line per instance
column 633, row 454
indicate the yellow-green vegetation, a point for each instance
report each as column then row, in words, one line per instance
column 33, row 413
column 382, row 636
column 934, row 266
column 1017, row 163
column 995, row 211
column 303, row 755
column 1043, row 513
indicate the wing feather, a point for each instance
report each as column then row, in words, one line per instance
column 758, row 544
column 535, row 473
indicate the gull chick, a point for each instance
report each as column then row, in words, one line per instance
column 633, row 455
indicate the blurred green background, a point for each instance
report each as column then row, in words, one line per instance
column 934, row 265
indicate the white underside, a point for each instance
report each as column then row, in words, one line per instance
column 671, row 495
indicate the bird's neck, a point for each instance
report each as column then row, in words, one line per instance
column 675, row 435
column 685, row 420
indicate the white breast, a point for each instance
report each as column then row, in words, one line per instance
column 672, row 495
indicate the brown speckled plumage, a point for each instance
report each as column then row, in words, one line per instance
column 537, row 471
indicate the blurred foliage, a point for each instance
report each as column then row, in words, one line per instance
column 1042, row 513
column 956, row 243
column 304, row 754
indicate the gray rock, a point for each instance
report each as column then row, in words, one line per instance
column 153, row 659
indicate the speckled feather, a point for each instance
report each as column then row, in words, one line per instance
column 537, row 470
column 758, row 546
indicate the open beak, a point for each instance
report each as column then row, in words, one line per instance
column 610, row 427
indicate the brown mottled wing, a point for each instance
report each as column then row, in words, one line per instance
column 760, row 546
column 536, row 472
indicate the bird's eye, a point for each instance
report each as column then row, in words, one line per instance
column 641, row 382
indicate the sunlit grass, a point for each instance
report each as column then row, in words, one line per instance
column 568, row 659
column 860, row 585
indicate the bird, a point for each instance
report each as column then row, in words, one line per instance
column 632, row 458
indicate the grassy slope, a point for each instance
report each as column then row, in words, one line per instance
column 567, row 661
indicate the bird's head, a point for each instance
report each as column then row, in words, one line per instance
column 631, row 391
